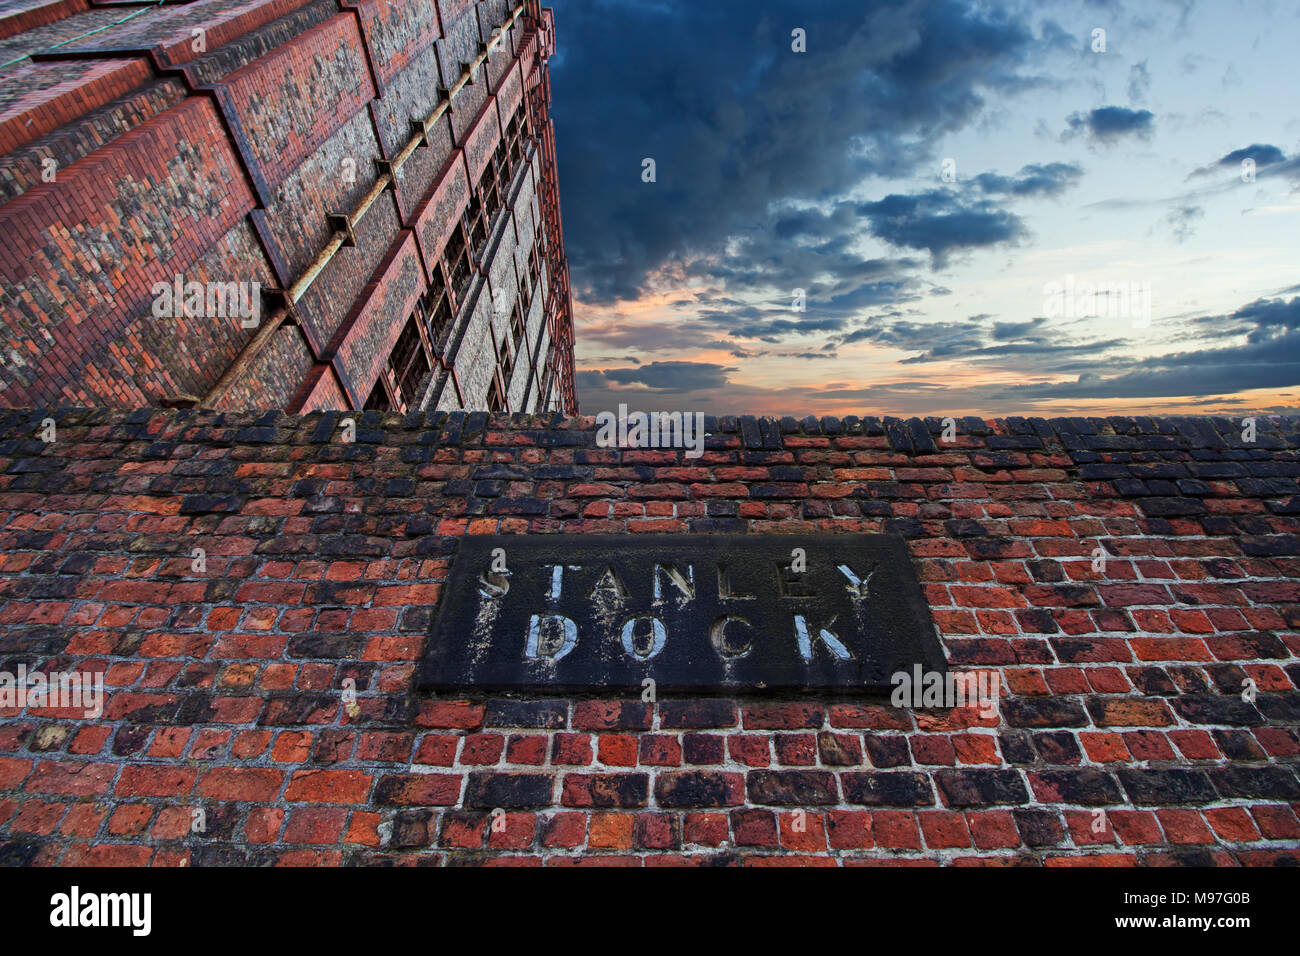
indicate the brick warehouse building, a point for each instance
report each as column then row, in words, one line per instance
column 384, row 173
column 1127, row 735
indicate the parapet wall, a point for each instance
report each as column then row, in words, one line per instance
column 1132, row 581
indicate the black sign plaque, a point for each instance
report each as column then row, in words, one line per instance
column 704, row 613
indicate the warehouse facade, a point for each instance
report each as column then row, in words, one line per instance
column 293, row 204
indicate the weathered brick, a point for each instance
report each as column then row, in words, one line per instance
column 895, row 788
column 699, row 789
column 605, row 790
column 508, row 790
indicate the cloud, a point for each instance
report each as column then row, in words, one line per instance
column 911, row 336
column 643, row 336
column 1182, row 221
column 780, row 171
column 940, row 223
column 978, row 340
column 1139, row 82
column 1108, row 124
column 773, row 330
column 1269, row 358
column 1038, row 348
column 1005, row 331
column 1270, row 314
column 1048, row 180
column 665, row 376
column 1263, row 154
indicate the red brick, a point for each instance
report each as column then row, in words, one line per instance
column 71, row 779
column 1232, row 824
column 241, row 784
column 803, row 830
column 482, row 749
column 610, row 831
column 263, row 824
column 657, row 831
column 660, row 750
column 754, row 827
column 439, row 750
column 512, row 831
column 944, row 829
column 706, row 829
column 752, row 750
column 1185, row 826
column 328, row 786
column 618, row 750
column 450, row 715
column 796, row 750
column 781, row 716
column 849, row 829
column 993, row 829
column 611, row 715
column 1135, row 826
column 572, row 749
column 315, row 825
column 895, row 829
column 1277, row 822
column 565, row 830
column 155, row 781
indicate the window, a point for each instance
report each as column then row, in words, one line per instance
column 510, row 150
column 516, row 327
column 483, row 207
column 378, row 400
column 398, row 386
column 456, row 263
column 501, row 160
column 408, row 365
column 435, row 311
column 512, row 145
column 437, row 287
column 505, row 361
column 489, row 193
column 474, row 224
column 439, row 323
column 496, row 400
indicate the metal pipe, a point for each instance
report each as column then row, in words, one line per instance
column 246, row 356
column 299, row 287
column 303, row 282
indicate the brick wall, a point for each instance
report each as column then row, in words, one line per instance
column 324, row 562
column 368, row 337
column 40, row 97
column 137, row 153
column 72, row 281
column 289, row 101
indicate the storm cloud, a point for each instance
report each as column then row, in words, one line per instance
column 736, row 120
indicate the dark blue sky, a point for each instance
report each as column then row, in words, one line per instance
column 926, row 171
